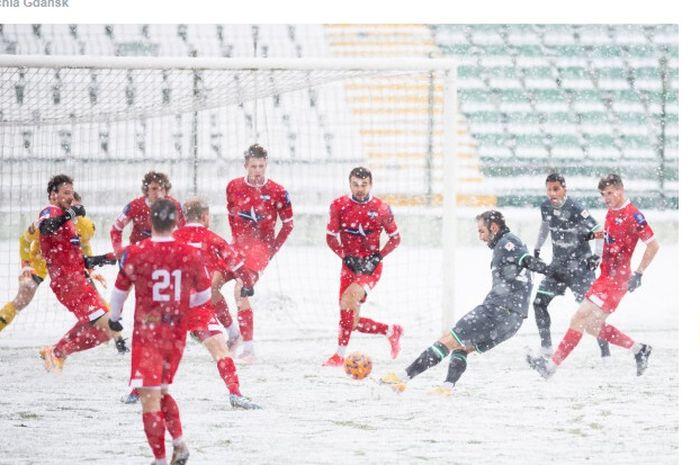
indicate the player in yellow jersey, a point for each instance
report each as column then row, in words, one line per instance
column 34, row 266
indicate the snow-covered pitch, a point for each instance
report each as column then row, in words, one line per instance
column 590, row 412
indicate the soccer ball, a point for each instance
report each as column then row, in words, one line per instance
column 358, row 365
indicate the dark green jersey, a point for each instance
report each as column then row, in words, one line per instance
column 569, row 226
column 511, row 282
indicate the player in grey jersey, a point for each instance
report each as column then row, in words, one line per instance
column 497, row 319
column 571, row 227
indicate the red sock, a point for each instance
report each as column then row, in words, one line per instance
column 222, row 313
column 614, row 336
column 372, row 327
column 571, row 340
column 245, row 323
column 154, row 427
column 80, row 337
column 346, row 321
column 171, row 415
column 227, row 371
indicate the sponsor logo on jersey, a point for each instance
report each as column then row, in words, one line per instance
column 75, row 240
column 585, row 214
column 372, row 214
column 619, row 220
column 250, row 215
column 608, row 238
column 265, row 197
column 359, row 231
column 509, row 246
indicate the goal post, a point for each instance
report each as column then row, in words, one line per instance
column 107, row 120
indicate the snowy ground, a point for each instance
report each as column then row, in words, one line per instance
column 590, row 413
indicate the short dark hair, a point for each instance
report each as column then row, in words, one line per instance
column 255, row 151
column 154, row 176
column 611, row 179
column 77, row 197
column 556, row 177
column 56, row 181
column 163, row 215
column 194, row 208
column 360, row 172
column 492, row 216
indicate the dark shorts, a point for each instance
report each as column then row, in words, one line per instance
column 37, row 279
column 486, row 327
column 579, row 280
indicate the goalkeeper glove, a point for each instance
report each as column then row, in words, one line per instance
column 115, row 326
column 354, row 263
column 73, row 211
column 370, row 263
column 635, row 281
column 100, row 260
column 247, row 291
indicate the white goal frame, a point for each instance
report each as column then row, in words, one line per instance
column 448, row 67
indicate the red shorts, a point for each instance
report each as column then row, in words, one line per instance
column 256, row 254
column 202, row 323
column 79, row 297
column 606, row 292
column 155, row 357
column 366, row 281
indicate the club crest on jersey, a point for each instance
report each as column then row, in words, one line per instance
column 619, row 220
column 585, row 214
column 509, row 246
column 639, row 218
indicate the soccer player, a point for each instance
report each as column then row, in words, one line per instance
column 254, row 203
column 60, row 247
column 34, row 266
column 353, row 232
column 571, row 226
column 224, row 264
column 625, row 225
column 496, row 320
column 154, row 186
column 171, row 281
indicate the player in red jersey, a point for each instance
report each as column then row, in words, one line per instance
column 254, row 203
column 154, row 186
column 224, row 264
column 60, row 247
column 625, row 225
column 354, row 229
column 171, row 282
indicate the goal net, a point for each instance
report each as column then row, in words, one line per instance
column 108, row 121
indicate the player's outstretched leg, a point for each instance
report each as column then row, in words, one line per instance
column 429, row 358
column 458, row 365
column 245, row 324
column 7, row 314
column 641, row 351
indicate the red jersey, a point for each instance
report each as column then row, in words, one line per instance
column 170, row 278
column 253, row 212
column 138, row 211
column 217, row 253
column 61, row 250
column 359, row 225
column 623, row 228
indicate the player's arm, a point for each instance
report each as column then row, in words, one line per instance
column 50, row 225
column 25, row 246
column 541, row 237
column 116, row 232
column 284, row 210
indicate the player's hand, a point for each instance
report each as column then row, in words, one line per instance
column 115, row 325
column 354, row 263
column 120, row 344
column 76, row 210
column 370, row 263
column 99, row 260
column 536, row 264
column 247, row 292
column 635, row 281
column 95, row 276
column 537, row 253
column 592, row 262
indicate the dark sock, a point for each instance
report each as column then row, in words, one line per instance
column 542, row 318
column 458, row 365
column 429, row 358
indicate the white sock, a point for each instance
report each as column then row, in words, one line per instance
column 178, row 441
column 341, row 350
column 233, row 331
column 636, row 347
column 248, row 346
column 390, row 331
column 448, row 385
